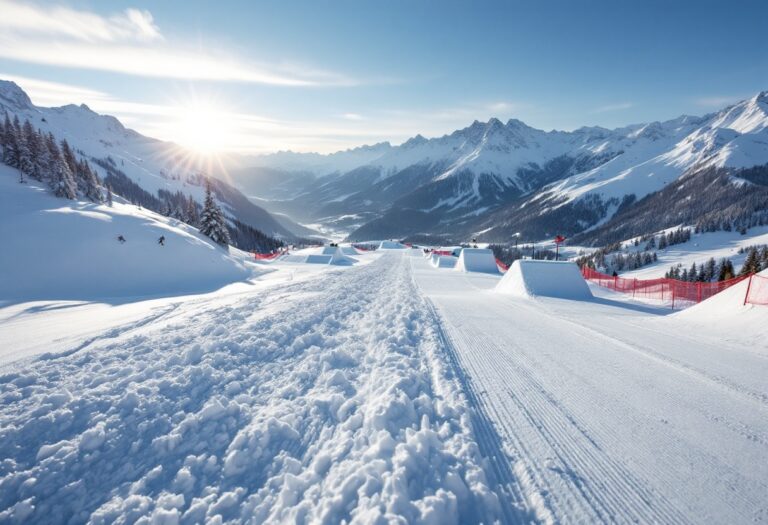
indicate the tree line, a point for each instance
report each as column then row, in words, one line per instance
column 39, row 156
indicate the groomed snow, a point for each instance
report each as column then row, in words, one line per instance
column 530, row 278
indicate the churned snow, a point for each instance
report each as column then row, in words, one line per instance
column 327, row 399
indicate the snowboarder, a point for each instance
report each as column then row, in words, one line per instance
column 121, row 239
column 161, row 240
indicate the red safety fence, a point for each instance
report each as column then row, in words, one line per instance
column 442, row 252
column 662, row 289
column 503, row 267
column 757, row 290
column 268, row 256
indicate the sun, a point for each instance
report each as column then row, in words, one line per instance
column 203, row 128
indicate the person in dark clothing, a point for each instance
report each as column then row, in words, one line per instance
column 615, row 274
column 121, row 239
column 161, row 240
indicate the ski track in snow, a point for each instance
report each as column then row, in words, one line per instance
column 606, row 419
column 320, row 401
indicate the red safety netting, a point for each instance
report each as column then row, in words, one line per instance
column 757, row 290
column 442, row 252
column 503, row 267
column 661, row 289
column 267, row 256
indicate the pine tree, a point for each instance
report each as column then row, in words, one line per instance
column 191, row 212
column 212, row 221
column 9, row 143
column 61, row 180
column 26, row 155
column 87, row 181
column 751, row 264
column 109, row 195
column 69, row 156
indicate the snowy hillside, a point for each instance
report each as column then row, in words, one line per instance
column 152, row 164
column 60, row 249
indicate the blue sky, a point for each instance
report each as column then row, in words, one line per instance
column 323, row 76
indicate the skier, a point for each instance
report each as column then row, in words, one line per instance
column 121, row 239
column 161, row 240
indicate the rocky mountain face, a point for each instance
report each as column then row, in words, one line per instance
column 492, row 179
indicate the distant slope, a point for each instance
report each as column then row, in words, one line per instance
column 711, row 197
column 55, row 248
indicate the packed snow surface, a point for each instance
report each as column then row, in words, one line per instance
column 477, row 260
column 530, row 278
column 384, row 392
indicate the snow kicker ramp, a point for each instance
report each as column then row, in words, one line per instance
column 559, row 279
column 477, row 260
column 327, row 255
column 392, row 245
column 443, row 261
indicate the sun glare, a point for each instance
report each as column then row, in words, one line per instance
column 203, row 128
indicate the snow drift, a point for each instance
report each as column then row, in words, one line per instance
column 561, row 279
column 728, row 306
column 59, row 249
column 477, row 260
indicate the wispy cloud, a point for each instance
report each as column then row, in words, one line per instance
column 613, row 107
column 131, row 24
column 130, row 42
column 352, row 116
column 717, row 101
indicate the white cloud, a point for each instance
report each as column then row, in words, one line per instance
column 352, row 116
column 130, row 25
column 131, row 43
column 613, row 107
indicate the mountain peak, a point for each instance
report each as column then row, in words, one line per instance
column 414, row 141
column 13, row 97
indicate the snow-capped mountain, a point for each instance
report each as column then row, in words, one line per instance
column 458, row 182
column 152, row 164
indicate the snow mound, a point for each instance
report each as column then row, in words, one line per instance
column 477, row 260
column 332, row 255
column 392, row 245
column 559, row 279
column 443, row 261
column 59, row 249
column 728, row 305
column 349, row 250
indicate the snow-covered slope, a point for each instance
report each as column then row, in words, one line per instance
column 60, row 249
column 152, row 164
